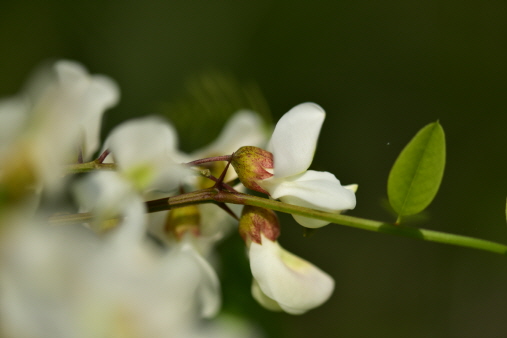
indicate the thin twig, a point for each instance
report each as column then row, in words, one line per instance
column 210, row 159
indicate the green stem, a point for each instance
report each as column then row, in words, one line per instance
column 89, row 166
column 195, row 197
column 70, row 218
column 365, row 224
column 212, row 195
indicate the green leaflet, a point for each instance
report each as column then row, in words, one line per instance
column 416, row 175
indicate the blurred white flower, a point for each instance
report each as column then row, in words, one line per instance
column 293, row 145
column 113, row 203
column 207, row 290
column 108, row 195
column 145, row 150
column 283, row 281
column 243, row 128
column 57, row 116
column 65, row 282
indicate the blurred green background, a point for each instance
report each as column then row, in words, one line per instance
column 381, row 70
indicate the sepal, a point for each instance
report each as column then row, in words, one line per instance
column 252, row 165
column 255, row 222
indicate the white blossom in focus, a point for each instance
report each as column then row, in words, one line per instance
column 293, row 146
column 283, row 281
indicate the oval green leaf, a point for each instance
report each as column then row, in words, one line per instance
column 417, row 173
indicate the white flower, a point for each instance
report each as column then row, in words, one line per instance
column 145, row 150
column 293, row 145
column 207, row 289
column 108, row 197
column 285, row 281
column 64, row 282
column 57, row 115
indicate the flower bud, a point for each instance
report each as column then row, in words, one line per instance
column 18, row 179
column 255, row 221
column 183, row 219
column 250, row 164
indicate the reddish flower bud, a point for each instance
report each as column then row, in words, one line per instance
column 255, row 221
column 250, row 164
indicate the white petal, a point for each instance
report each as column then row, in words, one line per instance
column 63, row 105
column 102, row 94
column 92, row 95
column 295, row 284
column 64, row 278
column 244, row 128
column 262, row 299
column 141, row 140
column 145, row 150
column 302, row 220
column 108, row 196
column 320, row 189
column 205, row 279
column 295, row 138
column 351, row 187
column 314, row 189
column 102, row 193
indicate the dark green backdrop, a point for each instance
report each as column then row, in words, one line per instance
column 382, row 70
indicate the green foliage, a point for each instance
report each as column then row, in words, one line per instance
column 206, row 104
column 416, row 175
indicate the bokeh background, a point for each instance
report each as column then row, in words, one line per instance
column 381, row 70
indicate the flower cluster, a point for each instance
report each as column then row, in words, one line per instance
column 122, row 271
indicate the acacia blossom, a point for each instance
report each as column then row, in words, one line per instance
column 145, row 151
column 111, row 282
column 108, row 195
column 66, row 282
column 56, row 118
column 284, row 281
column 283, row 170
column 243, row 128
column 281, row 280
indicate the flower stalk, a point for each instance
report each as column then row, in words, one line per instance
column 365, row 224
column 212, row 195
column 89, row 167
column 209, row 159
